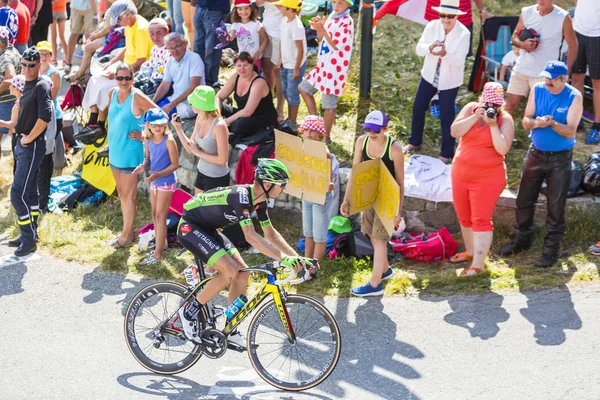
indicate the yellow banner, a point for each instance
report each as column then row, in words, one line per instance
column 309, row 167
column 372, row 185
column 96, row 169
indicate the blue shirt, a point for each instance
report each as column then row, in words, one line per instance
column 214, row 5
column 124, row 152
column 9, row 19
column 556, row 105
column 180, row 72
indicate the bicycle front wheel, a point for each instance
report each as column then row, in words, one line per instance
column 310, row 359
column 156, row 340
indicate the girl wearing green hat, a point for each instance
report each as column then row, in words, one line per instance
column 209, row 141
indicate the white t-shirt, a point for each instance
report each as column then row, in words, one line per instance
column 509, row 59
column 272, row 20
column 248, row 38
column 587, row 18
column 290, row 32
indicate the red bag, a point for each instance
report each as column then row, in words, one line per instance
column 435, row 247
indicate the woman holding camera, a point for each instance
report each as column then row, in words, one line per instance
column 486, row 132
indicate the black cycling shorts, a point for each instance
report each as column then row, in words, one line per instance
column 207, row 244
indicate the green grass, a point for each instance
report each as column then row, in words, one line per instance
column 81, row 236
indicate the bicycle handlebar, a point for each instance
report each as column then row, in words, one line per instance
column 308, row 262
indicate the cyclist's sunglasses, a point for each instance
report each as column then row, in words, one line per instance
column 281, row 184
column 124, row 78
column 449, row 16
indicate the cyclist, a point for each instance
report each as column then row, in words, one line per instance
column 199, row 231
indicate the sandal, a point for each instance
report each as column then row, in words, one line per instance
column 409, row 148
column 117, row 245
column 149, row 259
column 471, row 271
column 461, row 257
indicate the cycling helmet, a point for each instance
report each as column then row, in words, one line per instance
column 271, row 170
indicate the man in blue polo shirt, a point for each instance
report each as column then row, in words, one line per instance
column 553, row 112
column 209, row 13
column 184, row 71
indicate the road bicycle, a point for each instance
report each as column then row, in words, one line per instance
column 293, row 341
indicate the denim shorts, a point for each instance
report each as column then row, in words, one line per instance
column 127, row 171
column 328, row 101
column 290, row 86
column 314, row 219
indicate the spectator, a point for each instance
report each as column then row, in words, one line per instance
column 10, row 20
column 252, row 96
column 176, row 14
column 553, row 111
column 249, row 32
column 135, row 53
column 587, row 30
column 126, row 108
column 554, row 28
column 508, row 62
column 24, row 24
column 16, row 83
column 184, row 72
column 188, row 10
column 59, row 17
column 444, row 44
column 373, row 144
column 315, row 220
column 293, row 55
column 44, row 175
column 479, row 172
column 10, row 64
column 162, row 158
column 466, row 19
column 208, row 141
column 154, row 68
column 43, row 20
column 331, row 71
column 271, row 21
column 84, row 19
column 209, row 13
column 34, row 115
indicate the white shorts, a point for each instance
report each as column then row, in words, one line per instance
column 521, row 84
column 96, row 92
column 273, row 50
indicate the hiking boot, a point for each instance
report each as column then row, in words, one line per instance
column 593, row 137
column 546, row 261
column 387, row 274
column 24, row 250
column 512, row 248
column 367, row 290
column 236, row 341
column 16, row 242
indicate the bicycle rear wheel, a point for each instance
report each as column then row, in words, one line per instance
column 300, row 365
column 155, row 341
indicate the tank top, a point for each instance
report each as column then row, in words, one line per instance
column 550, row 28
column 476, row 159
column 58, row 110
column 124, row 152
column 208, row 144
column 557, row 105
column 386, row 157
column 160, row 160
column 265, row 108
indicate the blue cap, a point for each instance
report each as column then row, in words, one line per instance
column 554, row 69
column 156, row 116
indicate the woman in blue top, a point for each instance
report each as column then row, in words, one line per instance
column 126, row 108
column 163, row 158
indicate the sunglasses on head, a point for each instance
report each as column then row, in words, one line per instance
column 449, row 16
column 124, row 78
column 26, row 65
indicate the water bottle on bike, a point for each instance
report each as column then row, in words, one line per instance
column 236, row 306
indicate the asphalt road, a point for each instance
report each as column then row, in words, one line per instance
column 62, row 326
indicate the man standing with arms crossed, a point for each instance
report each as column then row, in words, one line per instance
column 34, row 115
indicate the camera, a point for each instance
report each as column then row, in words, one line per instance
column 490, row 112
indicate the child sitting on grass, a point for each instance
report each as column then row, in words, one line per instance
column 315, row 221
column 163, row 159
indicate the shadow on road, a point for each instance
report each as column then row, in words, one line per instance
column 12, row 279
column 178, row 388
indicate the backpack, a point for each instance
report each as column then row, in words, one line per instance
column 435, row 247
column 357, row 244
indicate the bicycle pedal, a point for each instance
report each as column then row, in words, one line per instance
column 218, row 311
column 235, row 347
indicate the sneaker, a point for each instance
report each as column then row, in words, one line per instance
column 546, row 261
column 189, row 326
column 67, row 67
column 387, row 274
column 367, row 290
column 236, row 341
column 79, row 53
column 593, row 137
column 595, row 249
column 512, row 248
